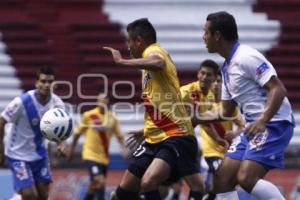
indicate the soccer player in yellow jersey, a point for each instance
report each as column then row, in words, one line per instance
column 170, row 145
column 98, row 125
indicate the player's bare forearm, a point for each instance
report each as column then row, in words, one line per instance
column 75, row 140
column 226, row 113
column 149, row 63
column 2, row 125
column 153, row 62
column 206, row 117
column 276, row 94
column 211, row 131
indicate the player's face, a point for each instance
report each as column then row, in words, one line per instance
column 44, row 84
column 208, row 38
column 217, row 85
column 134, row 46
column 206, row 77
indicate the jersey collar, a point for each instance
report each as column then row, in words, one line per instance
column 232, row 52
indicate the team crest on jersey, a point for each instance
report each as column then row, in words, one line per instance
column 147, row 78
column 258, row 141
column 20, row 169
column 261, row 69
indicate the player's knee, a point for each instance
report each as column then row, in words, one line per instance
column 43, row 196
column 195, row 183
column 99, row 183
column 29, row 195
column 245, row 181
column 223, row 183
column 148, row 184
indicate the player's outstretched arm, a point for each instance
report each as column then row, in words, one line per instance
column 70, row 152
column 226, row 113
column 211, row 131
column 152, row 62
column 2, row 125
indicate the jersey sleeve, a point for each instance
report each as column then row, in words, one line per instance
column 258, row 69
column 13, row 110
column 59, row 103
column 153, row 50
column 83, row 126
column 185, row 94
column 225, row 93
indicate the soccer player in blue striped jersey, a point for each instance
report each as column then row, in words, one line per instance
column 250, row 82
column 25, row 151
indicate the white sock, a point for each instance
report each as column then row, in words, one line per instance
column 265, row 190
column 232, row 195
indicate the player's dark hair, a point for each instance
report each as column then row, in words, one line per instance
column 210, row 64
column 219, row 73
column 225, row 24
column 45, row 70
column 143, row 28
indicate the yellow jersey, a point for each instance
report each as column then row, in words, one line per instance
column 193, row 95
column 210, row 148
column 165, row 114
column 96, row 143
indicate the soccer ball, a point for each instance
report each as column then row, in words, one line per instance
column 56, row 125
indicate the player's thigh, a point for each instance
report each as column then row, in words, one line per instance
column 213, row 163
column 249, row 173
column 29, row 193
column 97, row 172
column 41, row 171
column 268, row 148
column 141, row 159
column 130, row 182
column 98, row 182
column 185, row 151
column 195, row 182
column 158, row 171
column 23, row 178
column 225, row 178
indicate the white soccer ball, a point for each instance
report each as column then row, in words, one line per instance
column 56, row 125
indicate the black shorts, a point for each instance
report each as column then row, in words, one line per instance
column 181, row 153
column 95, row 168
column 213, row 163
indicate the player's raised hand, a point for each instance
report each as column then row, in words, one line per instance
column 115, row 53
